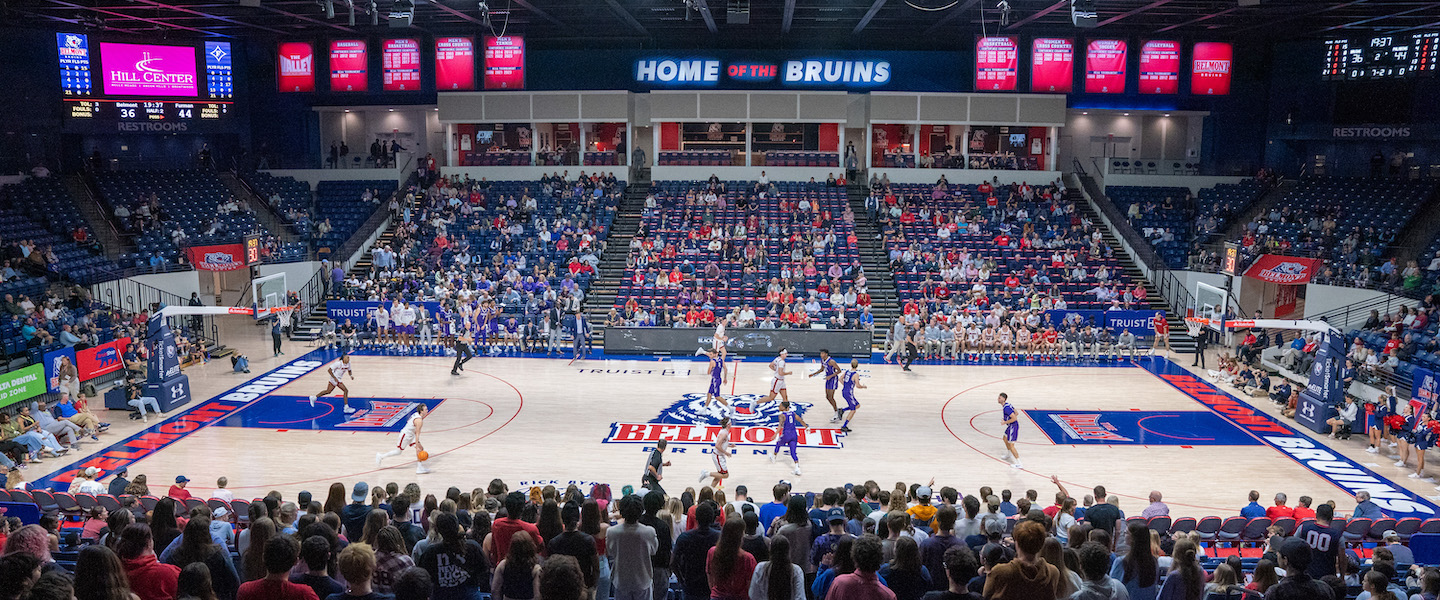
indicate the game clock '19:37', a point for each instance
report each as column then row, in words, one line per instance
column 1395, row 56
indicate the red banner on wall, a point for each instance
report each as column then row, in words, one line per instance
column 102, row 359
column 1283, row 269
column 221, row 257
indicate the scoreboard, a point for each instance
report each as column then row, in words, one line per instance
column 1396, row 56
column 144, row 87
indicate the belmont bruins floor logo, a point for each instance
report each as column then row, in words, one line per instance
column 687, row 421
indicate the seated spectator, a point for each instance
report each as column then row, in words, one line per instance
column 281, row 553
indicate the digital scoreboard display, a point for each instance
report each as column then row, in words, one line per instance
column 1395, row 56
column 144, row 87
column 997, row 61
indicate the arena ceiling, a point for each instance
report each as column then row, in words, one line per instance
column 736, row 23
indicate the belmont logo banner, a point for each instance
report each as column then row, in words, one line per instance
column 687, row 422
column 1289, row 270
column 220, row 257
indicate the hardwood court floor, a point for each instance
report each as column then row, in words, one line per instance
column 535, row 421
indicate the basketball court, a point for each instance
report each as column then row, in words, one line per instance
column 1134, row 427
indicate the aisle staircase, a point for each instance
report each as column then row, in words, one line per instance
column 264, row 213
column 309, row 329
column 605, row 288
column 1180, row 340
column 884, row 301
column 101, row 223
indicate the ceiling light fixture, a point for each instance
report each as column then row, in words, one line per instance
column 921, row 5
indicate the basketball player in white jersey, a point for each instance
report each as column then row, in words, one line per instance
column 987, row 339
column 409, row 436
column 720, row 455
column 972, row 340
column 405, row 325
column 777, row 369
column 1005, row 342
column 382, row 325
column 338, row 371
column 1022, row 340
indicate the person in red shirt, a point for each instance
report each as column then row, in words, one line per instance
column 1279, row 510
column 280, row 554
column 178, row 491
column 1392, row 343
column 498, row 542
column 1302, row 509
column 149, row 578
column 1012, row 282
column 1002, row 240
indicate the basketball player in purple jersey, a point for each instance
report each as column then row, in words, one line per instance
column 849, row 380
column 716, row 368
column 788, row 435
column 1011, row 421
column 831, row 369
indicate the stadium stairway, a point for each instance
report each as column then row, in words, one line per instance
column 1422, row 229
column 264, row 213
column 1180, row 340
column 309, row 329
column 884, row 302
column 101, row 223
column 1236, row 229
column 606, row 286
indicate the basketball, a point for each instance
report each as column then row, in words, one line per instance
column 422, row 455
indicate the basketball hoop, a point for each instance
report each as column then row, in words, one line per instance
column 1194, row 325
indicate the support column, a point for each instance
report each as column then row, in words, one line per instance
column 1053, row 134
column 748, row 133
column 534, row 154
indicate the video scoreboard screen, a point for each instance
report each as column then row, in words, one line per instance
column 144, row 86
column 1396, row 56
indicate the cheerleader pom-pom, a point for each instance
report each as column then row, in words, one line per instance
column 1435, row 427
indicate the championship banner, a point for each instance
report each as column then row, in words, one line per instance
column 52, row 366
column 102, row 359
column 21, row 385
column 220, row 257
column 1283, row 269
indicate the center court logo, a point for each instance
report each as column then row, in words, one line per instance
column 687, row 422
column 381, row 414
column 1089, row 427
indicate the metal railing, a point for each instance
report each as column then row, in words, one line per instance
column 132, row 296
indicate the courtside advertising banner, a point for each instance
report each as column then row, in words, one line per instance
column 359, row 311
column 1289, row 270
column 101, row 360
column 52, row 366
column 24, row 384
column 220, row 257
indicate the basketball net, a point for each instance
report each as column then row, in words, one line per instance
column 1194, row 325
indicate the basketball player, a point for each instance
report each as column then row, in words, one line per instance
column 831, row 369
column 777, row 367
column 1162, row 332
column 972, row 340
column 1005, row 342
column 717, row 342
column 409, row 436
column 848, row 382
column 1022, row 341
column 1052, row 342
column 338, row 371
column 987, row 340
column 787, row 435
column 717, row 366
column 382, row 325
column 1011, row 421
column 721, row 455
column 404, row 316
